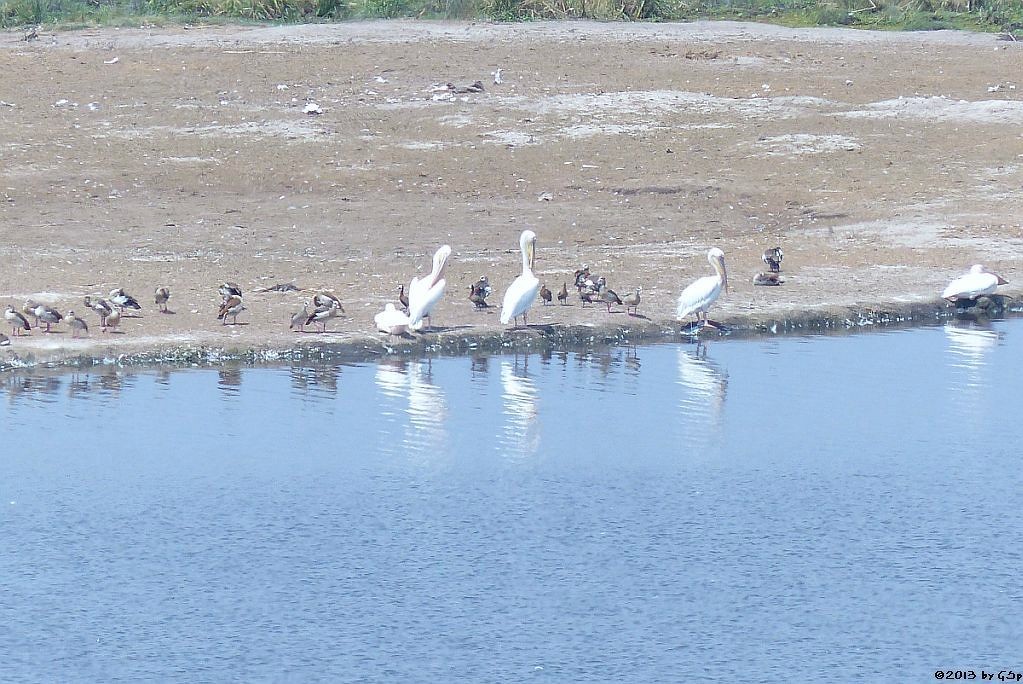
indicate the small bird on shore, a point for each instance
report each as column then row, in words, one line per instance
column 772, row 257
column 546, row 295
column 122, row 300
column 232, row 306
column 161, row 296
column 77, row 324
column 5, row 341
column 100, row 306
column 586, row 296
column 978, row 282
column 403, row 298
column 298, row 320
column 19, row 324
column 563, row 295
column 631, row 301
column 111, row 321
column 324, row 313
column 767, row 279
column 48, row 316
column 608, row 295
column 29, row 309
column 324, row 299
column 477, row 298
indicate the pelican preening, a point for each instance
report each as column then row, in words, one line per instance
column 977, row 283
column 698, row 296
column 423, row 294
column 523, row 290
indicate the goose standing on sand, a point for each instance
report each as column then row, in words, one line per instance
column 698, row 296
column 18, row 322
column 48, row 316
column 298, row 320
column 563, row 295
column 111, row 320
column 391, row 321
column 977, row 283
column 77, row 324
column 161, row 296
column 100, row 306
column 323, row 313
column 232, row 306
column 523, row 290
column 631, row 301
column 325, row 299
column 122, row 300
column 423, row 294
column 608, row 295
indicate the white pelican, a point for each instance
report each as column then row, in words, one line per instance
column 523, row 290
column 976, row 283
column 699, row 295
column 424, row 294
column 391, row 321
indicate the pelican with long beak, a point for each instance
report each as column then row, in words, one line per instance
column 977, row 283
column 523, row 290
column 699, row 295
column 423, row 294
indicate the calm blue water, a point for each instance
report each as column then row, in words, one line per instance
column 802, row 509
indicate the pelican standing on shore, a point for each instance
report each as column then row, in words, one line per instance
column 523, row 290
column 977, row 283
column 698, row 296
column 424, row 294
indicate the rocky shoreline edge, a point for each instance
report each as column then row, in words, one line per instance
column 468, row 340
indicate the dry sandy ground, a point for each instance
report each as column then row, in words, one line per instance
column 884, row 164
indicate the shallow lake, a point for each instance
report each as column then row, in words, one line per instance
column 841, row 508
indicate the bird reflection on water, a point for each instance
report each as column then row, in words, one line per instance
column 704, row 386
column 520, row 432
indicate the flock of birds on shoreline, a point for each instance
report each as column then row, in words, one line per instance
column 423, row 294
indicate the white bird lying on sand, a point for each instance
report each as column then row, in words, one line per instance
column 391, row 321
column 978, row 282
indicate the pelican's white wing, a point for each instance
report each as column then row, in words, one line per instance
column 426, row 298
column 519, row 297
column 971, row 286
column 698, row 296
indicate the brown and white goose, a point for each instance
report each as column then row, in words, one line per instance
column 77, row 324
column 232, row 306
column 19, row 324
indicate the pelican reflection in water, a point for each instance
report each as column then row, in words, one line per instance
column 704, row 386
column 427, row 406
column 519, row 396
column 969, row 346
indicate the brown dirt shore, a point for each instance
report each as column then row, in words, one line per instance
column 884, row 164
